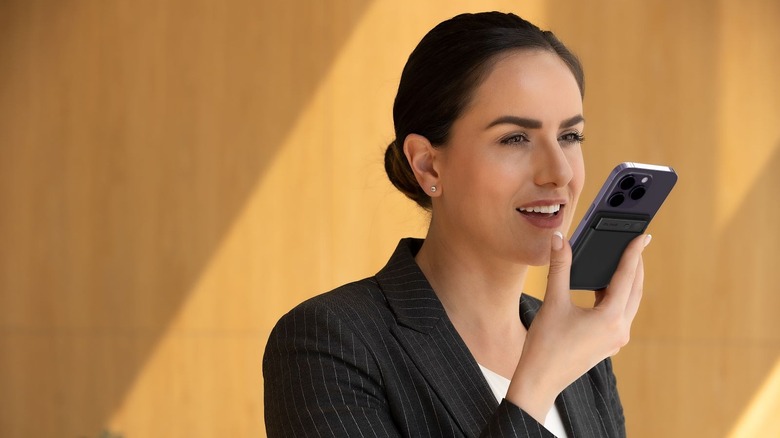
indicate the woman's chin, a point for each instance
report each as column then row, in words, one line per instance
column 537, row 257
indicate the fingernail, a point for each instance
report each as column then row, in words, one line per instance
column 648, row 238
column 557, row 240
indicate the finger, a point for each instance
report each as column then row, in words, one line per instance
column 637, row 289
column 560, row 267
column 620, row 287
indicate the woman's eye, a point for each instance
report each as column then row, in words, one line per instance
column 571, row 138
column 515, row 139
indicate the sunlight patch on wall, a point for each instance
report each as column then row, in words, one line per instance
column 321, row 212
column 275, row 252
column 761, row 418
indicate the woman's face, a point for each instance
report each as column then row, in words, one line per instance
column 512, row 169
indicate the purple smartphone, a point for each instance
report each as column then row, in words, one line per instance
column 627, row 202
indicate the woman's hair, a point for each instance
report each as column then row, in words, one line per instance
column 442, row 73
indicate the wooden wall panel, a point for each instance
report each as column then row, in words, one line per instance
column 691, row 84
column 177, row 174
column 133, row 134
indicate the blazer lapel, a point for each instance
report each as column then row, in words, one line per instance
column 430, row 340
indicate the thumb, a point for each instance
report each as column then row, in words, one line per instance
column 560, row 267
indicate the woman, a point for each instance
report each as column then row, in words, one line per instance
column 442, row 342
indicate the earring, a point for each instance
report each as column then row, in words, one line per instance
column 433, row 189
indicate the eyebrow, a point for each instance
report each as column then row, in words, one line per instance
column 533, row 123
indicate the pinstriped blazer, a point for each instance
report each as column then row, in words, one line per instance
column 380, row 357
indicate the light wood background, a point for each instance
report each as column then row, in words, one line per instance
column 176, row 174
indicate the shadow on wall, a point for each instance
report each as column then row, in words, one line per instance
column 132, row 135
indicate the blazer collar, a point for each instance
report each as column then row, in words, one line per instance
column 408, row 293
column 411, row 297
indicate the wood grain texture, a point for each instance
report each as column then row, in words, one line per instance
column 175, row 175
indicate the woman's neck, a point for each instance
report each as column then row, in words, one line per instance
column 479, row 293
column 481, row 297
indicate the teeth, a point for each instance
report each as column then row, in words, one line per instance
column 543, row 208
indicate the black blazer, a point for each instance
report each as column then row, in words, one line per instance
column 380, row 357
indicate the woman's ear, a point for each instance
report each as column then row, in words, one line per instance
column 422, row 158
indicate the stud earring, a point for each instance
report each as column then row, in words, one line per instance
column 433, row 189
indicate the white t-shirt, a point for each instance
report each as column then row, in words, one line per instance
column 500, row 384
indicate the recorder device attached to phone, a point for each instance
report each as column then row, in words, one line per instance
column 622, row 210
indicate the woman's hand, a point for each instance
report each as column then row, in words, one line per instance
column 565, row 340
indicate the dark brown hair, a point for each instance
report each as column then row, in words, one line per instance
column 442, row 73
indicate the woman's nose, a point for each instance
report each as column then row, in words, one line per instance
column 552, row 166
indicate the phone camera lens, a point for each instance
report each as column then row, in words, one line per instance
column 616, row 199
column 637, row 193
column 627, row 182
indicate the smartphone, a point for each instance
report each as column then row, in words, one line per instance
column 622, row 210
